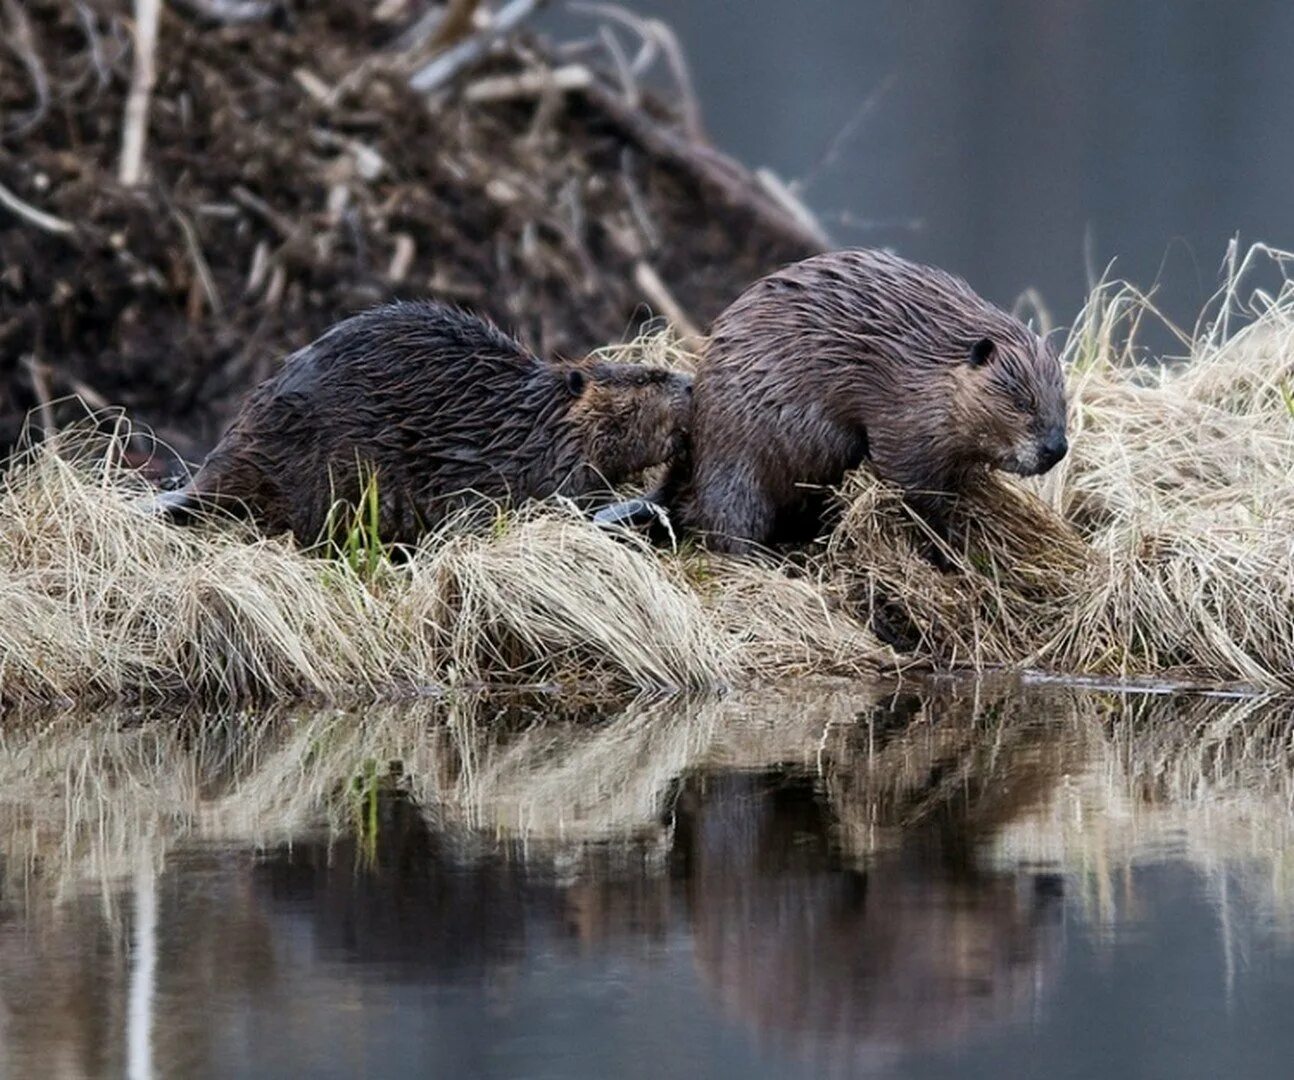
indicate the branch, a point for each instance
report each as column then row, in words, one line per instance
column 705, row 165
column 447, row 65
column 39, row 218
column 135, row 129
column 230, row 12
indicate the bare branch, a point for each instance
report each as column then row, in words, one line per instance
column 660, row 36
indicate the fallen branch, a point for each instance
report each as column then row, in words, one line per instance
column 135, row 128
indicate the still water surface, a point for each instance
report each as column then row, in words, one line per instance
column 953, row 881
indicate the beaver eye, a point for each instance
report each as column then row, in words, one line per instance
column 982, row 352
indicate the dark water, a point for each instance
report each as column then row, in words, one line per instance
column 1016, row 142
column 963, row 882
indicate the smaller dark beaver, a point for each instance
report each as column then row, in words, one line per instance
column 442, row 409
column 857, row 356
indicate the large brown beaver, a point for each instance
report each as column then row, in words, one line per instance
column 853, row 356
column 443, row 409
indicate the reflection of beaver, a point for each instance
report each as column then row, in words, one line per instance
column 442, row 408
column 852, row 965
column 857, row 355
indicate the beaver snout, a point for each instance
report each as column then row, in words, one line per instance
column 1052, row 449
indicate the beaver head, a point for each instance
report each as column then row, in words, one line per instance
column 952, row 379
column 1010, row 401
column 630, row 417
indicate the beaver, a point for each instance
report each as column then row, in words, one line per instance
column 438, row 408
column 854, row 356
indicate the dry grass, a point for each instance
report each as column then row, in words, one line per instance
column 1162, row 547
column 100, row 601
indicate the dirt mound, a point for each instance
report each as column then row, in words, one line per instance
column 293, row 175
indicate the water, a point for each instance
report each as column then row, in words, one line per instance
column 952, row 881
column 1018, row 143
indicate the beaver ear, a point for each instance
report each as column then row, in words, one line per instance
column 575, row 382
column 982, row 352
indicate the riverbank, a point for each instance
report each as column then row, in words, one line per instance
column 1160, row 548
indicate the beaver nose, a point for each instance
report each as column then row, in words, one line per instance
column 1053, row 448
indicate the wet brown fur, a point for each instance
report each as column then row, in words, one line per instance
column 852, row 356
column 444, row 409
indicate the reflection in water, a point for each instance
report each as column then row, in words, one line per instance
column 848, row 964
column 952, row 880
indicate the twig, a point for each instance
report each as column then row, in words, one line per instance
column 39, row 372
column 459, row 19
column 703, row 164
column 842, row 137
column 662, row 36
column 39, row 218
column 87, row 393
column 447, row 65
column 637, row 205
column 529, row 83
column 794, row 205
column 420, row 32
column 230, row 12
column 263, row 210
column 646, row 278
column 135, row 128
column 102, row 69
column 623, row 67
column 200, row 263
column 315, row 87
column 23, row 42
column 401, row 258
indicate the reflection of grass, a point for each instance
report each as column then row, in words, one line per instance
column 1161, row 547
column 364, row 792
column 1204, row 780
column 1080, row 781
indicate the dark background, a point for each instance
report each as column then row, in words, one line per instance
column 1015, row 142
